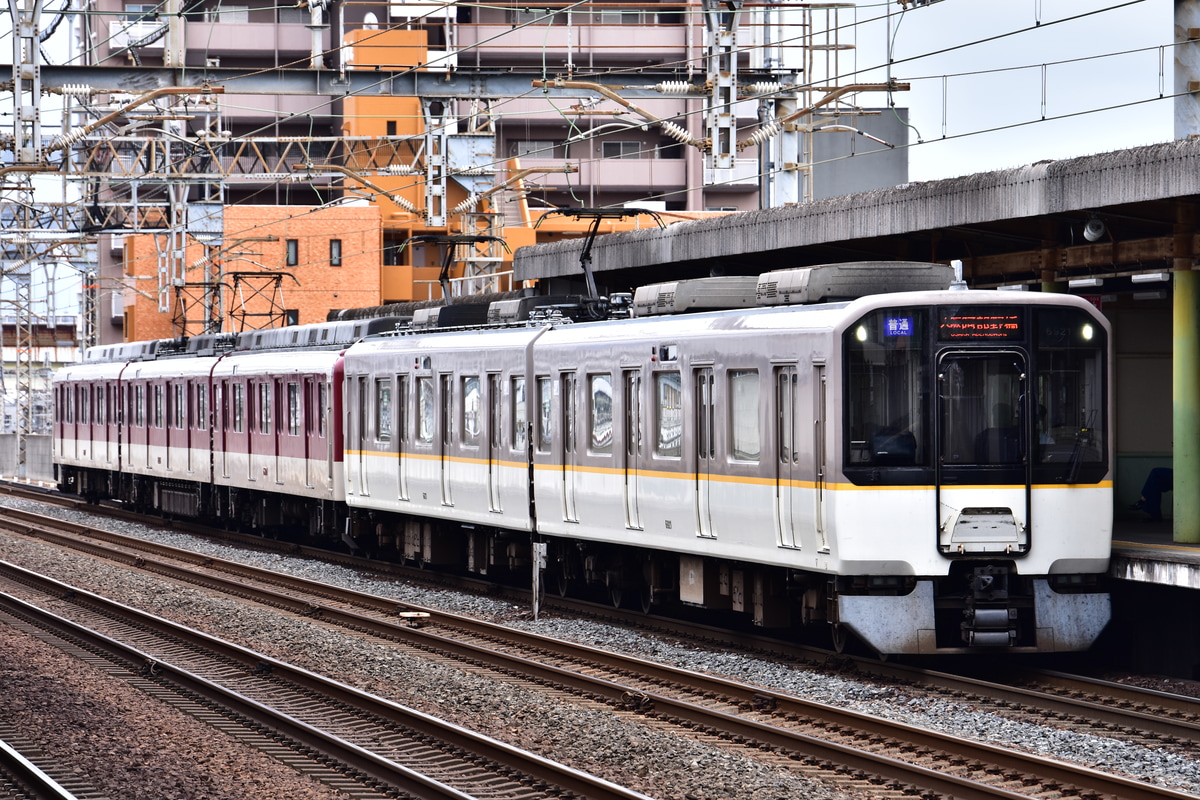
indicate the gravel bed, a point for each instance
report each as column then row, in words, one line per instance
column 632, row 753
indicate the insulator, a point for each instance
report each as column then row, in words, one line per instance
column 403, row 202
column 676, row 132
column 473, row 171
column 399, row 169
column 77, row 90
column 767, row 131
column 762, row 87
column 467, row 205
column 673, row 87
column 67, row 139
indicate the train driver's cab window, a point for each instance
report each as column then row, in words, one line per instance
column 426, row 410
column 601, row 400
column 744, row 427
column 383, row 410
column 545, row 428
column 1071, row 419
column 668, row 416
column 886, row 398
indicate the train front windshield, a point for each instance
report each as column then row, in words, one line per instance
column 985, row 393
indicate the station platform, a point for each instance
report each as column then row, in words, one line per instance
column 1146, row 552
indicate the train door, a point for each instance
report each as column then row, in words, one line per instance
column 982, row 440
column 819, row 411
column 402, row 434
column 706, row 450
column 280, row 426
column 632, row 382
column 446, row 389
column 570, row 454
column 358, row 433
column 307, row 430
column 495, row 427
column 787, row 461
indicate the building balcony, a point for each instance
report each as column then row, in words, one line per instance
column 642, row 175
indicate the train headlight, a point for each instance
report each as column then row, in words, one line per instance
column 1088, row 332
column 861, row 333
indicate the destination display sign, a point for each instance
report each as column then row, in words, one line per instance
column 980, row 324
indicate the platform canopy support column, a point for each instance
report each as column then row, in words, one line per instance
column 1185, row 373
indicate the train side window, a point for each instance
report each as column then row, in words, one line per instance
column 668, row 403
column 745, row 434
column 383, row 410
column 472, row 405
column 426, row 410
column 519, row 438
column 293, row 405
column 239, row 407
column 601, row 412
column 545, row 431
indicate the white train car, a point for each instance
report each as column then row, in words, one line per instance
column 930, row 471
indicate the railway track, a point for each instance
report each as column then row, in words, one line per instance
column 363, row 745
column 21, row 779
column 904, row 759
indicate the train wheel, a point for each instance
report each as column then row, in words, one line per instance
column 616, row 593
column 839, row 635
column 645, row 597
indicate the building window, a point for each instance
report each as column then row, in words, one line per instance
column 141, row 12
column 293, row 252
column 335, row 252
column 622, row 150
column 533, row 148
column 391, row 127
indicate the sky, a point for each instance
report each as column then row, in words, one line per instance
column 954, row 100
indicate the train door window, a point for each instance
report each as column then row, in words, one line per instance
column 426, row 410
column 496, row 407
column 98, row 411
column 264, row 407
column 85, row 398
column 569, row 412
column 383, row 410
column 139, row 405
column 201, row 407
column 668, row 406
column 402, row 408
column 293, row 408
column 519, row 438
column 159, row 401
column 322, row 407
column 239, row 407
column 472, row 400
column 180, row 406
column 745, row 431
column 545, row 432
column 600, row 397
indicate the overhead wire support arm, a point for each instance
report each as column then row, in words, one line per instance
column 597, row 215
column 773, row 128
column 452, row 242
